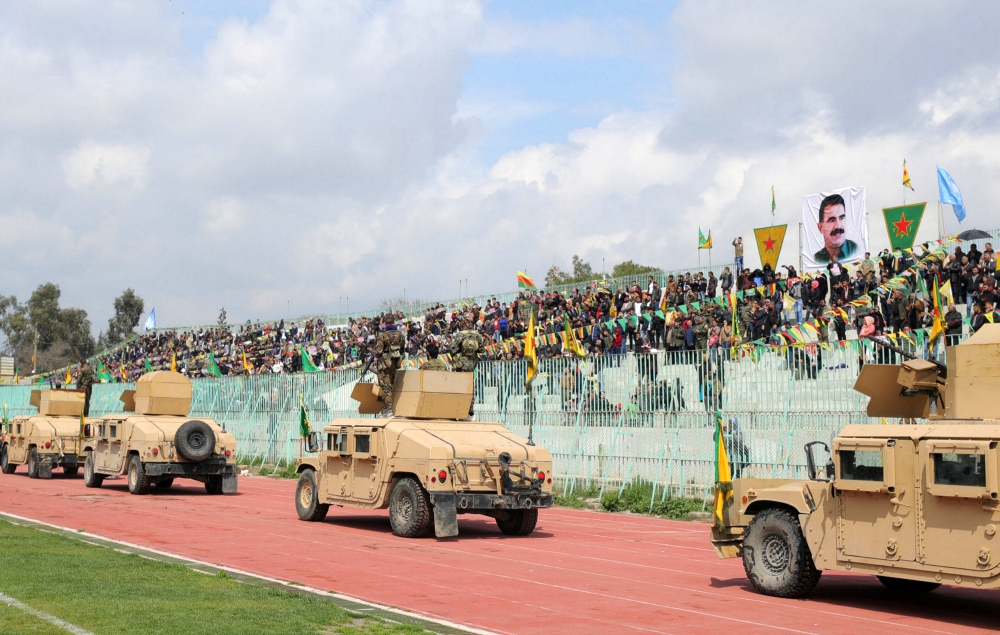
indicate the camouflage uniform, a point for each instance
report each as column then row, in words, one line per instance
column 466, row 347
column 434, row 364
column 85, row 380
column 701, row 334
column 389, row 348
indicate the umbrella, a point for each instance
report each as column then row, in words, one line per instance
column 973, row 234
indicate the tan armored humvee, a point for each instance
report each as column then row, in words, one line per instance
column 46, row 440
column 915, row 505
column 426, row 464
column 155, row 441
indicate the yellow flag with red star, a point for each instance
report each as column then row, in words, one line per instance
column 769, row 242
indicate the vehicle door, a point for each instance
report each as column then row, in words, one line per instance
column 364, row 458
column 875, row 481
column 337, row 482
column 960, row 503
column 16, row 450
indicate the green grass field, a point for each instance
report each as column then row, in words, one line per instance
column 104, row 591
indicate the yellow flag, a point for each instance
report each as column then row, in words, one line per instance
column 723, row 496
column 946, row 292
column 246, row 365
column 69, row 378
column 769, row 242
column 173, row 362
column 530, row 355
column 938, row 327
column 906, row 177
column 571, row 342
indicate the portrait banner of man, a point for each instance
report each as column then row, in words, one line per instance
column 834, row 227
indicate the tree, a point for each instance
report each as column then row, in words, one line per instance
column 629, row 268
column 582, row 272
column 128, row 311
column 222, row 317
column 63, row 335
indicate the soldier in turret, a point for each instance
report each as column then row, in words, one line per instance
column 85, row 380
column 432, row 362
column 390, row 347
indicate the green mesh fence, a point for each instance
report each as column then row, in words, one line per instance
column 607, row 420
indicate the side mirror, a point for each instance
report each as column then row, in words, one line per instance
column 826, row 473
column 312, row 442
column 88, row 430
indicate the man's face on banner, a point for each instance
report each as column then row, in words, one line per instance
column 832, row 226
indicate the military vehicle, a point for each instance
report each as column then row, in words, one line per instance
column 427, row 463
column 155, row 441
column 47, row 440
column 915, row 505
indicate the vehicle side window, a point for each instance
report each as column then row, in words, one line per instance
column 960, row 469
column 861, row 465
column 100, row 430
column 114, row 432
column 19, row 428
column 362, row 443
column 337, row 441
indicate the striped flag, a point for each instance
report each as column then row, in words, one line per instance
column 524, row 282
column 530, row 355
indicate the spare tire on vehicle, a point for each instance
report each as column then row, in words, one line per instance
column 195, row 440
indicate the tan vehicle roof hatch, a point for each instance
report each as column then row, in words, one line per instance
column 58, row 402
column 421, row 394
column 162, row 392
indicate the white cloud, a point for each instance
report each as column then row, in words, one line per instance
column 224, row 215
column 321, row 152
column 100, row 164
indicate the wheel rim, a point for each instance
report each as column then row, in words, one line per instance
column 775, row 554
column 404, row 506
column 197, row 440
column 31, row 462
column 306, row 494
column 132, row 476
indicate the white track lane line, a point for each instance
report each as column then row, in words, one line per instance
column 51, row 619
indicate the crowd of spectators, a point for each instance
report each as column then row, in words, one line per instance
column 607, row 321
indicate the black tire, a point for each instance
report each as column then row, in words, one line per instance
column 307, row 503
column 214, row 485
column 5, row 465
column 776, row 556
column 90, row 477
column 138, row 480
column 163, row 483
column 195, row 441
column 33, row 463
column 410, row 509
column 901, row 585
column 71, row 471
column 520, row 522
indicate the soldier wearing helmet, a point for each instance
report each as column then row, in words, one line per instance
column 390, row 347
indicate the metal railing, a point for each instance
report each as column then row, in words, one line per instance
column 606, row 420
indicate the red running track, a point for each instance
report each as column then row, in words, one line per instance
column 580, row 572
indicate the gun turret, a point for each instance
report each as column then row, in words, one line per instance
column 926, row 389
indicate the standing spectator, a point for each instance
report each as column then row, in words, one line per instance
column 953, row 325
column 738, row 248
column 726, row 281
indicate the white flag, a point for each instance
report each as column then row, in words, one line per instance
column 151, row 320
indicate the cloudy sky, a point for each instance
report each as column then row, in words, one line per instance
column 275, row 157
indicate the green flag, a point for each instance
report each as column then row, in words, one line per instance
column 307, row 363
column 902, row 224
column 213, row 368
column 103, row 375
column 146, row 366
column 304, row 428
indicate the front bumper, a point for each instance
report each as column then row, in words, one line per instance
column 479, row 502
column 48, row 461
column 211, row 467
